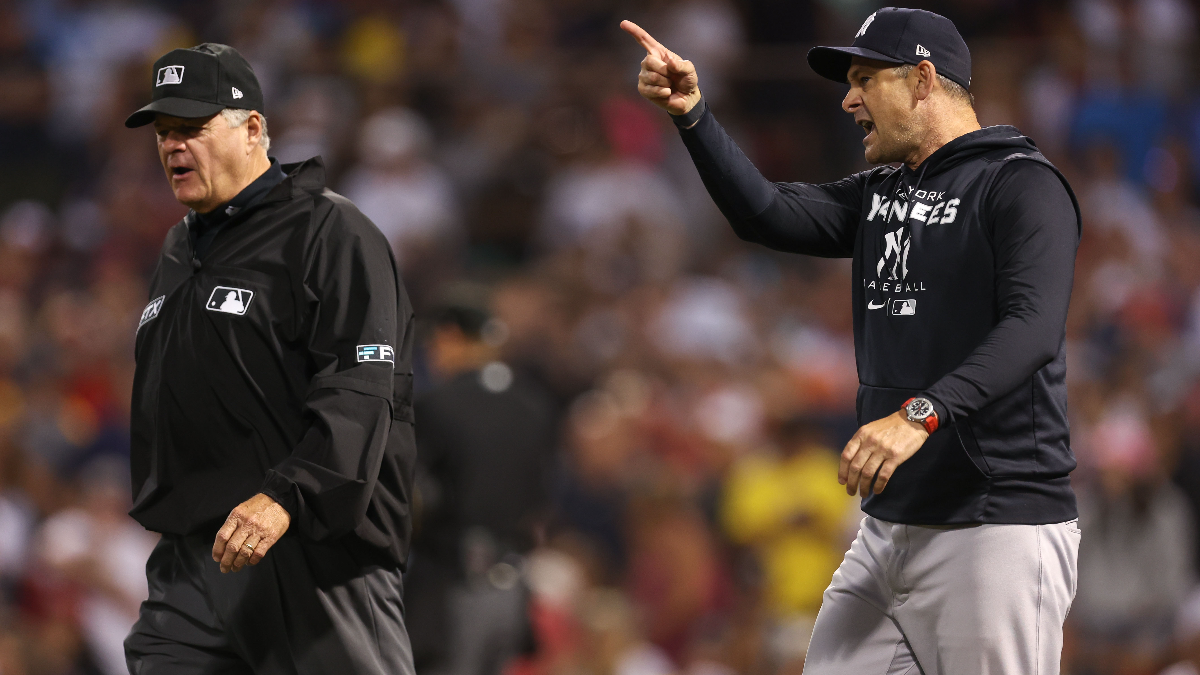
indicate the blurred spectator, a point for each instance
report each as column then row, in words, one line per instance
column 615, row 206
column 484, row 444
column 789, row 509
column 1187, row 638
column 100, row 551
column 1136, row 560
column 399, row 189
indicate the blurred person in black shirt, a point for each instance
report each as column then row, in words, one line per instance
column 483, row 447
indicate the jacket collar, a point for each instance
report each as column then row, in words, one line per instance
column 306, row 176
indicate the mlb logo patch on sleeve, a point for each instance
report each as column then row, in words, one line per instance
column 376, row 353
column 151, row 310
column 229, row 300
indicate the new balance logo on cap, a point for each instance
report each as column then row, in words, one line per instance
column 169, row 75
column 921, row 51
column 237, row 93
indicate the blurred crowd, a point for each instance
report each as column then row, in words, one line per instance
column 628, row 421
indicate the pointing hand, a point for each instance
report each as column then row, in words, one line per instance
column 665, row 80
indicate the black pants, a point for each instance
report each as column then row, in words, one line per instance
column 304, row 609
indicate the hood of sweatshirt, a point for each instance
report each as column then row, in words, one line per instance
column 963, row 149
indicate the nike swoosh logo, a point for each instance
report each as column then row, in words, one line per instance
column 872, row 305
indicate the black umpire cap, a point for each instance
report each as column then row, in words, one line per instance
column 898, row 35
column 198, row 82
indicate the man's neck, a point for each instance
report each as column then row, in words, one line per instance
column 941, row 132
column 257, row 166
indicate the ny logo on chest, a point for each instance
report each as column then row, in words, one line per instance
column 892, row 219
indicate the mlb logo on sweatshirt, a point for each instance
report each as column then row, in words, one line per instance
column 229, row 300
column 904, row 307
column 376, row 353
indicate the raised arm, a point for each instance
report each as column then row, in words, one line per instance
column 805, row 218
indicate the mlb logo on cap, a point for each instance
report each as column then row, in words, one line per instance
column 169, row 75
column 218, row 77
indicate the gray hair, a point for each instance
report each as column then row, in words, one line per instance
column 954, row 89
column 236, row 117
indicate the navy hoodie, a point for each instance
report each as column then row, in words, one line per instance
column 962, row 272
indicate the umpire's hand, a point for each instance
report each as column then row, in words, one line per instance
column 249, row 532
column 665, row 80
column 880, row 446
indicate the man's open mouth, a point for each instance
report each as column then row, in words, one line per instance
column 180, row 171
column 867, row 126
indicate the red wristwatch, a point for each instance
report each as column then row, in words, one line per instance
column 921, row 410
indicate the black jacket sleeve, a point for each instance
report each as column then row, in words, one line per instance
column 351, row 283
column 1035, row 234
column 819, row 220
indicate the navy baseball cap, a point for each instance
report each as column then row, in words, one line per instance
column 198, row 82
column 898, row 35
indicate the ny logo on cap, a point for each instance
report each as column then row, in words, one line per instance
column 862, row 31
column 169, row 75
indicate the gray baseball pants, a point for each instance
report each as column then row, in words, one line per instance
column 306, row 609
column 955, row 600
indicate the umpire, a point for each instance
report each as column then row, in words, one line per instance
column 272, row 419
column 963, row 259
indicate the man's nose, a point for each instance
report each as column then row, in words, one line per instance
column 851, row 102
column 172, row 141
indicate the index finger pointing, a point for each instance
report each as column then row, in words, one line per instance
column 643, row 37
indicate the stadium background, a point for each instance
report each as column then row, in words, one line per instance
column 693, row 391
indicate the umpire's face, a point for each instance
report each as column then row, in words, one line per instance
column 883, row 104
column 206, row 160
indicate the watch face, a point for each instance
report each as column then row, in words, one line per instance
column 920, row 408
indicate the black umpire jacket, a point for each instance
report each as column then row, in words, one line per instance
column 962, row 273
column 281, row 364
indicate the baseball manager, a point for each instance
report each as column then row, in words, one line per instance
column 272, row 419
column 963, row 259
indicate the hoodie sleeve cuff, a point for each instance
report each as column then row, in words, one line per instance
column 691, row 117
column 283, row 491
column 943, row 414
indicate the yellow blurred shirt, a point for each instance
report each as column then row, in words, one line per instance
column 792, row 510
